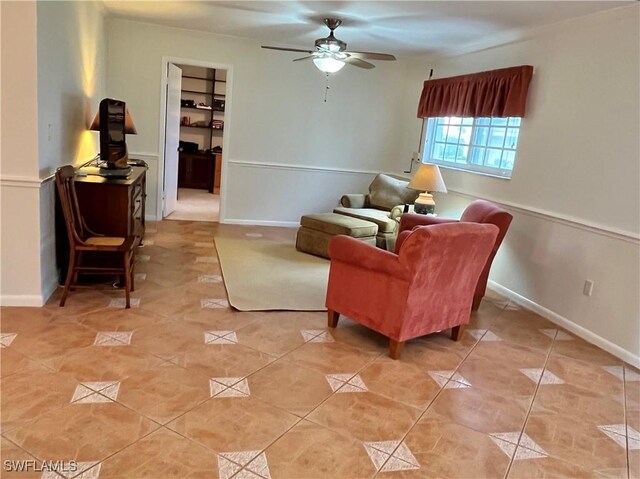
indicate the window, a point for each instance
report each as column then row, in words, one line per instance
column 483, row 145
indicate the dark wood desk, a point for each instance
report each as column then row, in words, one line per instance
column 109, row 206
column 113, row 207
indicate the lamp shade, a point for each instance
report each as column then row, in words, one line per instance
column 428, row 178
column 129, row 126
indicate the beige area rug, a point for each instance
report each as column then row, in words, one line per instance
column 262, row 274
column 196, row 205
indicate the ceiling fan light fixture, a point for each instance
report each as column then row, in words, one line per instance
column 328, row 64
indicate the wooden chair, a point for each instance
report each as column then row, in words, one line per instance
column 83, row 240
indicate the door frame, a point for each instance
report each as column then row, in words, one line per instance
column 225, row 133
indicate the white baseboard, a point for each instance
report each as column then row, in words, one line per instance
column 286, row 224
column 580, row 331
column 28, row 300
column 150, row 217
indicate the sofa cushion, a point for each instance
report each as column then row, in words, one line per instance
column 336, row 224
column 385, row 192
column 380, row 218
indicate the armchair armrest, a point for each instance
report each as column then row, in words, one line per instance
column 408, row 221
column 349, row 250
column 396, row 212
column 354, row 201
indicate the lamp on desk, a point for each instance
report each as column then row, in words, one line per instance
column 114, row 122
column 427, row 179
column 129, row 126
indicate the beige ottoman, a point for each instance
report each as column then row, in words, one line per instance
column 316, row 231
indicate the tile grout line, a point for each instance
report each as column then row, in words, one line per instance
column 533, row 399
column 429, row 405
column 302, row 418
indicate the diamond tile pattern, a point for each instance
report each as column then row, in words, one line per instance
column 220, row 337
column 214, row 303
column 6, row 339
column 523, row 446
column 484, row 335
column 174, row 383
column 95, row 392
column 346, row 383
column 449, row 379
column 623, row 436
column 243, row 464
column 541, row 376
column 317, row 336
column 76, row 470
column 389, row 456
column 229, row 387
column 113, row 338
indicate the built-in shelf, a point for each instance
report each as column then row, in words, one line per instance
column 201, row 109
column 198, row 92
column 221, row 95
column 205, row 127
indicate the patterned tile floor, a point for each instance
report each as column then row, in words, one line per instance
column 182, row 386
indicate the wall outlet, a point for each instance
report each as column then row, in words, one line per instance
column 49, row 132
column 588, row 288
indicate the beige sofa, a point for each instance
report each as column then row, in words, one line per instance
column 382, row 205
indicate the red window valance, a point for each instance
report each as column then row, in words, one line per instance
column 495, row 93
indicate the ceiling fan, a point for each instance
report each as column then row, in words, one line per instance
column 331, row 55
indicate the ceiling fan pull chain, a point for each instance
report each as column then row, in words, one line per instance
column 326, row 90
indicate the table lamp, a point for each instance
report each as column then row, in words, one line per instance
column 427, row 179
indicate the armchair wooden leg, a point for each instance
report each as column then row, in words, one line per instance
column 476, row 303
column 70, row 275
column 395, row 348
column 457, row 332
column 332, row 318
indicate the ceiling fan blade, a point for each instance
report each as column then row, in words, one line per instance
column 304, row 58
column 356, row 62
column 288, row 49
column 372, row 56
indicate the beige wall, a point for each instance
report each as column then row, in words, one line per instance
column 277, row 115
column 53, row 59
column 19, row 201
column 71, row 81
column 575, row 188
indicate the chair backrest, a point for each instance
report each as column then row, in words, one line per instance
column 482, row 211
column 387, row 191
column 445, row 261
column 69, row 202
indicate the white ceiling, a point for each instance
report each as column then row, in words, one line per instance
column 397, row 27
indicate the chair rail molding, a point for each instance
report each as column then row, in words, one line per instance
column 23, row 181
column 299, row 167
column 584, row 225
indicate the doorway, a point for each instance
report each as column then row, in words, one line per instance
column 193, row 141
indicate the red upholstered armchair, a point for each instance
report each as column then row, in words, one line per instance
column 428, row 287
column 479, row 211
